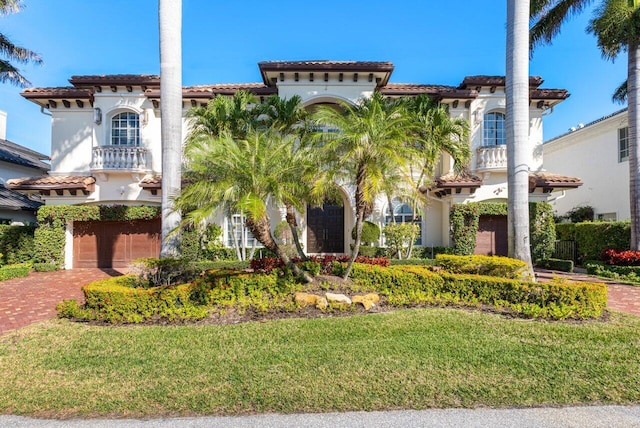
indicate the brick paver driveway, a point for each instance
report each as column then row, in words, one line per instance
column 34, row 298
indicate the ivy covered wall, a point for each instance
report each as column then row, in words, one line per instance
column 464, row 220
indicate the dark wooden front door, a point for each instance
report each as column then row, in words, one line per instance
column 107, row 244
column 491, row 238
column 325, row 229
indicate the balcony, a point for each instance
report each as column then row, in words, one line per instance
column 119, row 158
column 491, row 158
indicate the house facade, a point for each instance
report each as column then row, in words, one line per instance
column 599, row 154
column 106, row 146
column 17, row 161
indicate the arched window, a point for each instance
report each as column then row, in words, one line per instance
column 125, row 129
column 403, row 213
column 494, row 129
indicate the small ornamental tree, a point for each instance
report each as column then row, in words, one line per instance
column 399, row 238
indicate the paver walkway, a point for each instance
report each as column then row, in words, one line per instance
column 34, row 298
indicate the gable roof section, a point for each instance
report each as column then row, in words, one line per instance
column 19, row 155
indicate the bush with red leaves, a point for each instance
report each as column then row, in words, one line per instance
column 621, row 257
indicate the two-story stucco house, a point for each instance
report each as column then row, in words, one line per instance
column 106, row 145
column 17, row 161
column 598, row 152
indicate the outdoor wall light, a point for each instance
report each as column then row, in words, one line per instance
column 97, row 115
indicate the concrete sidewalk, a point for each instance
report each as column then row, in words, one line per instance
column 588, row 416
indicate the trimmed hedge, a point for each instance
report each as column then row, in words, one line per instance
column 556, row 264
column 114, row 300
column 16, row 244
column 15, row 271
column 504, row 267
column 594, row 237
column 411, row 285
column 626, row 273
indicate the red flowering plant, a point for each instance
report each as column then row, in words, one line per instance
column 621, row 257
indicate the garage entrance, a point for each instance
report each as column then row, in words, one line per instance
column 112, row 244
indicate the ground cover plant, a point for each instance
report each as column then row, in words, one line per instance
column 410, row 359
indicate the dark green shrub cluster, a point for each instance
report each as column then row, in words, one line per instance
column 153, row 272
column 413, row 285
column 431, row 252
column 15, row 271
column 413, row 262
column 370, row 233
column 16, row 244
column 595, row 237
column 566, row 231
column 45, row 267
column 115, row 300
column 556, row 264
column 503, row 267
column 543, row 231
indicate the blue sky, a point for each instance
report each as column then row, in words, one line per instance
column 428, row 41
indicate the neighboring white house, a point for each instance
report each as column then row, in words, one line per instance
column 17, row 161
column 106, row 143
column 598, row 153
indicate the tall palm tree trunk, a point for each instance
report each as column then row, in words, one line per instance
column 170, row 19
column 262, row 232
column 633, row 86
column 518, row 148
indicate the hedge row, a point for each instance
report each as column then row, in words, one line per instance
column 593, row 238
column 504, row 267
column 410, row 285
column 15, row 271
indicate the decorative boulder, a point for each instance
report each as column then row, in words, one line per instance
column 368, row 300
column 338, row 298
column 307, row 299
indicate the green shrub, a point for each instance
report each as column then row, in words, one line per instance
column 543, row 231
column 45, row 267
column 503, row 267
column 556, row 264
column 566, row 231
column 624, row 273
column 415, row 285
column 594, row 237
column 419, row 262
column 16, row 244
column 370, row 233
column 113, row 300
column 431, row 252
column 154, row 272
column 580, row 214
column 400, row 237
column 14, row 271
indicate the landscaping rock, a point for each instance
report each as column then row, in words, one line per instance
column 322, row 303
column 307, row 299
column 338, row 298
column 368, row 300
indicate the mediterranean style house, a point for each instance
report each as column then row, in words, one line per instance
column 106, row 150
column 17, row 161
column 599, row 153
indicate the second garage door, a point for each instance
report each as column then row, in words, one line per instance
column 111, row 244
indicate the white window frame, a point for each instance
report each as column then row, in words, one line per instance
column 623, row 144
column 129, row 129
column 234, row 233
column 494, row 122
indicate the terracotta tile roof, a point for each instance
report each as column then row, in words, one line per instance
column 439, row 91
column 548, row 180
column 453, row 179
column 210, row 91
column 549, row 94
column 52, row 182
column 473, row 81
column 151, row 182
column 326, row 65
column 115, row 79
column 68, row 92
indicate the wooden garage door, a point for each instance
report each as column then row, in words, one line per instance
column 106, row 244
column 491, row 239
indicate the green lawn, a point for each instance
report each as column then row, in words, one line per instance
column 397, row 360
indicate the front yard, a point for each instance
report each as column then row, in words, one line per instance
column 404, row 359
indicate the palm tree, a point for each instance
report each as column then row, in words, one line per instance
column 437, row 132
column 227, row 174
column 372, row 141
column 170, row 22
column 517, row 128
column 288, row 117
column 616, row 25
column 8, row 72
